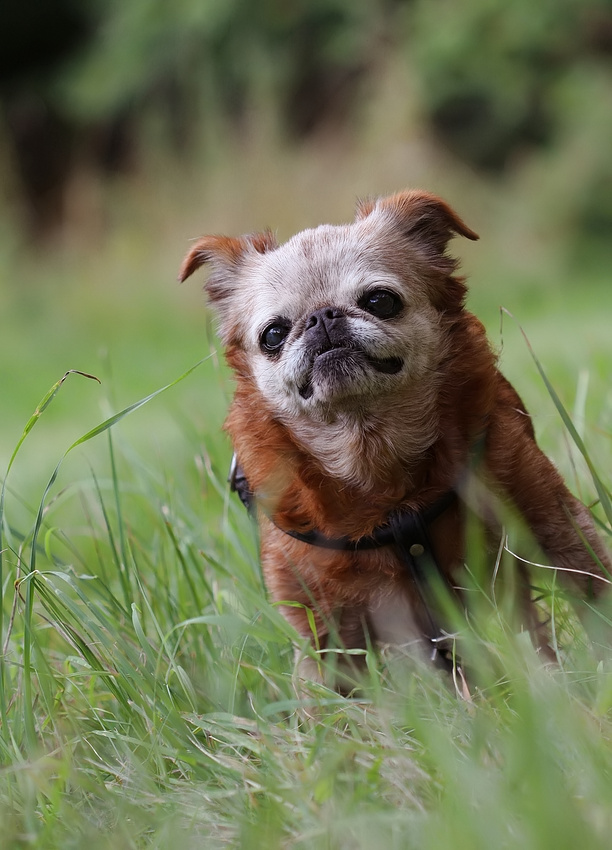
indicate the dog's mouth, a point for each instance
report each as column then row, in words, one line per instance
column 326, row 360
column 386, row 365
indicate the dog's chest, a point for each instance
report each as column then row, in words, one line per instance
column 392, row 620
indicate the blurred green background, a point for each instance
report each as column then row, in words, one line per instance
column 129, row 128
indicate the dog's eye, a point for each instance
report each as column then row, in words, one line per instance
column 274, row 336
column 381, row 303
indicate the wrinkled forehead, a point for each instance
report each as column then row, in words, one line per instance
column 320, row 259
column 322, row 266
column 324, row 252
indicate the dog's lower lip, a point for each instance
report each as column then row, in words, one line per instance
column 387, row 365
column 384, row 365
column 307, row 389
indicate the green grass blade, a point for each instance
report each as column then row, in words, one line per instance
column 40, row 409
column 602, row 492
column 94, row 432
column 29, row 585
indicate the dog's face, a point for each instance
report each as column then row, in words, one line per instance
column 339, row 316
column 326, row 327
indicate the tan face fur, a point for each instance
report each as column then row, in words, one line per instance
column 339, row 325
column 322, row 274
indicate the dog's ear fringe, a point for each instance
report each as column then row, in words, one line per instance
column 364, row 207
column 432, row 217
column 225, row 252
column 421, row 216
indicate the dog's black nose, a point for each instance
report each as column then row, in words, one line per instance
column 326, row 327
column 324, row 316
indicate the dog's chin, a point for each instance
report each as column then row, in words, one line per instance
column 342, row 373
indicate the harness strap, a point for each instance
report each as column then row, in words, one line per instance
column 407, row 531
column 402, row 523
column 415, row 551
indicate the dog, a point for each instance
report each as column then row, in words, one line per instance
column 370, row 421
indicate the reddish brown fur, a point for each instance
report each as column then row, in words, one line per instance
column 476, row 406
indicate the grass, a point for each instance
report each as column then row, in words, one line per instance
column 148, row 696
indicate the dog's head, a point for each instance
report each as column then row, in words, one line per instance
column 338, row 316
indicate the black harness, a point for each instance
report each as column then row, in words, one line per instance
column 405, row 529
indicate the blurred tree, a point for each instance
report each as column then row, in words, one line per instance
column 493, row 76
column 307, row 56
column 36, row 38
column 491, row 73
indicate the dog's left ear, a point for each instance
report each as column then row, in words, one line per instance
column 225, row 253
column 424, row 220
column 226, row 256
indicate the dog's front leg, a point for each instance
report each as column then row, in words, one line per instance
column 560, row 523
column 331, row 659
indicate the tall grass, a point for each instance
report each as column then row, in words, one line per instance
column 148, row 696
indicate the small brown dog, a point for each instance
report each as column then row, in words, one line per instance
column 369, row 419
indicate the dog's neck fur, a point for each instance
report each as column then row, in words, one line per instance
column 342, row 477
column 366, row 449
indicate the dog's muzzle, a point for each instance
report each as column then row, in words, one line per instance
column 333, row 349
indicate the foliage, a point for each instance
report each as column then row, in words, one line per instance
column 498, row 84
column 211, row 57
column 148, row 695
column 501, row 79
column 492, row 76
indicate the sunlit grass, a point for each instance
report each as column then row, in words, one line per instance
column 149, row 697
column 148, row 691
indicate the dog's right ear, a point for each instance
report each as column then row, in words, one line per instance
column 225, row 254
